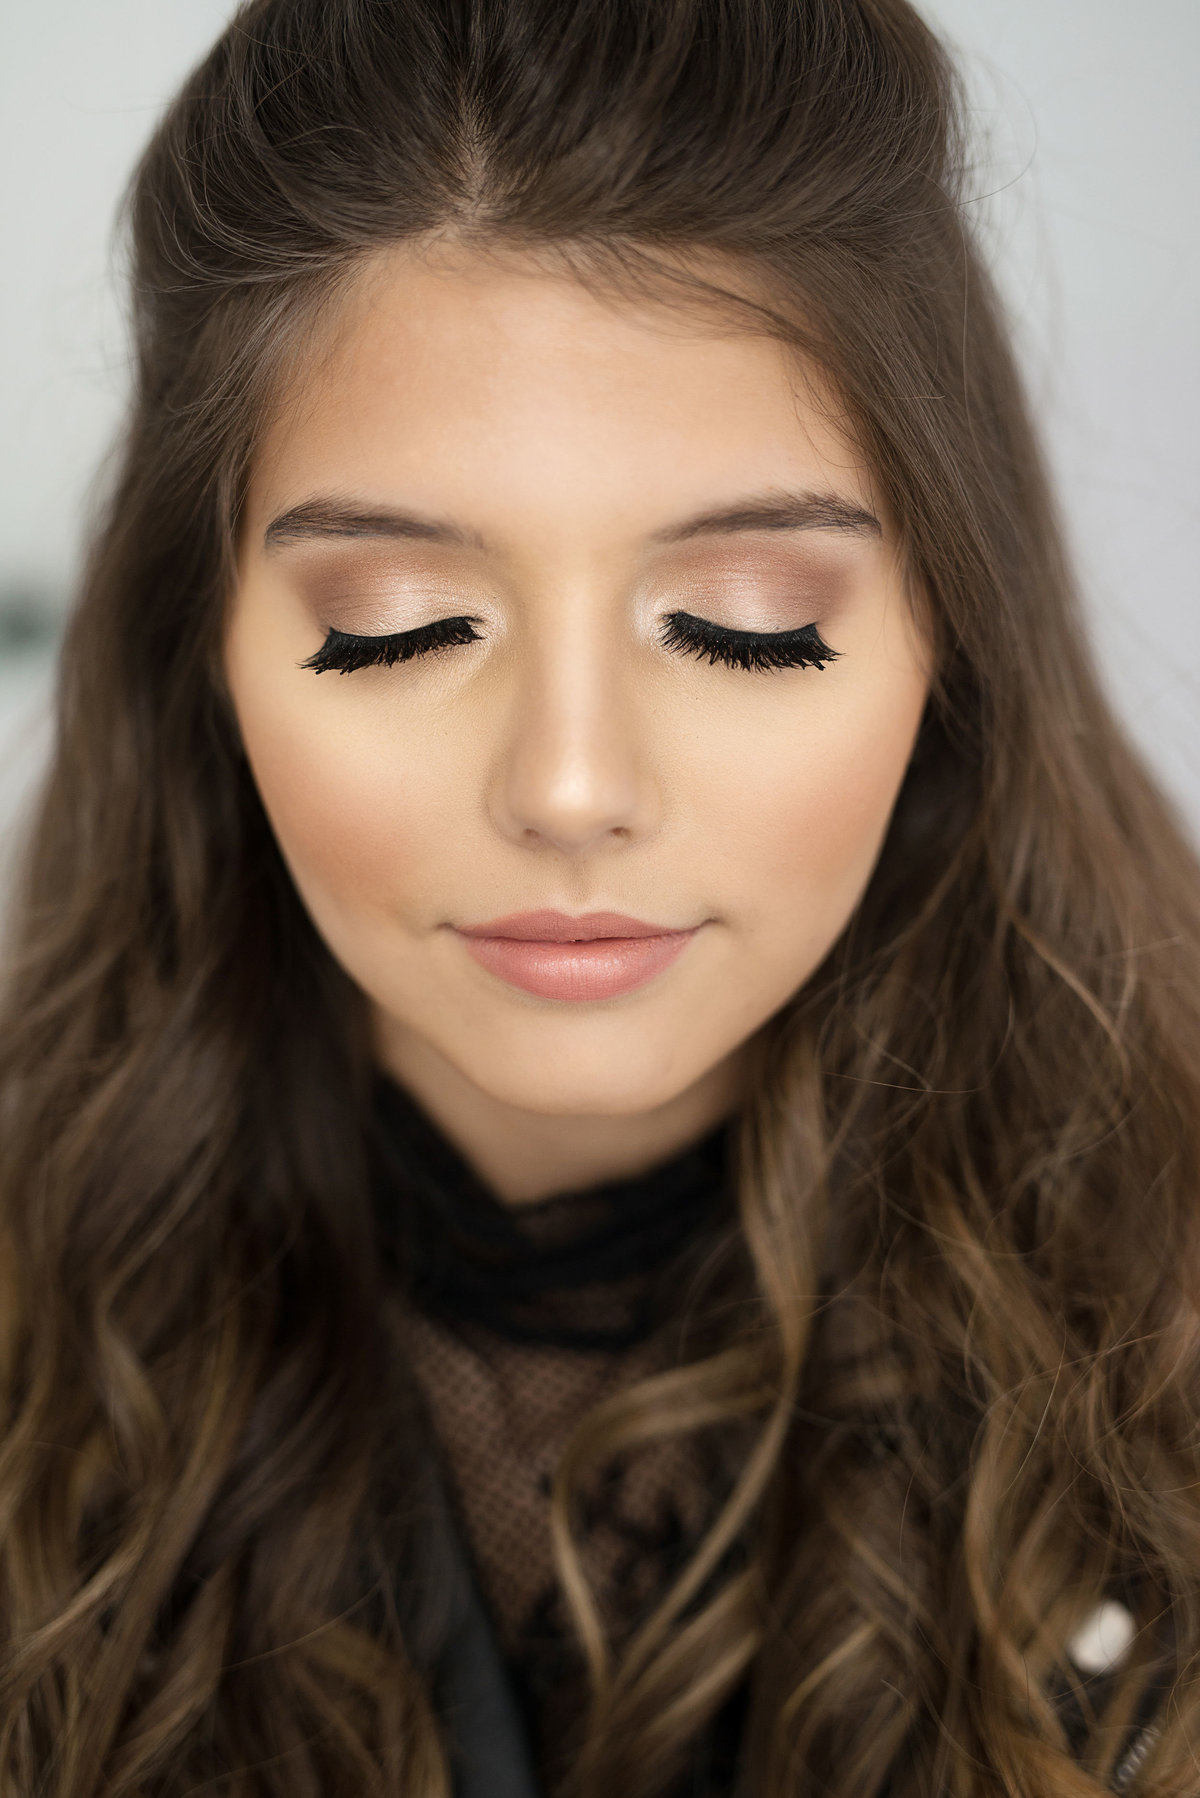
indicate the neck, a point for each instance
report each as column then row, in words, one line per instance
column 527, row 1155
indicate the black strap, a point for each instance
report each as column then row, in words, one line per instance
column 490, row 1753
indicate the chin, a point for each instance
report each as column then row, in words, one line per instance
column 578, row 1086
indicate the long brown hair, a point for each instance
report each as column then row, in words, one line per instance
column 968, row 1342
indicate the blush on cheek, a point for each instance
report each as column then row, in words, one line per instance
column 335, row 818
column 831, row 832
column 838, row 841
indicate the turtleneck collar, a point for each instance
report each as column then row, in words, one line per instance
column 581, row 1269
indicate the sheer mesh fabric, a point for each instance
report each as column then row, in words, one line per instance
column 502, row 1412
column 518, row 1320
column 515, row 1321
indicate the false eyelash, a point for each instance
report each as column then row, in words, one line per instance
column 801, row 648
column 346, row 653
column 753, row 650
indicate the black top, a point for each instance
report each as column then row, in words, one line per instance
column 594, row 1269
column 527, row 1273
column 521, row 1270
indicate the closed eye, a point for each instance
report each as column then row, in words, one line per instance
column 801, row 648
column 751, row 650
column 346, row 653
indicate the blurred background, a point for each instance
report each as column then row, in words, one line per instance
column 1085, row 184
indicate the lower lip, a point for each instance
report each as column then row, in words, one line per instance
column 603, row 969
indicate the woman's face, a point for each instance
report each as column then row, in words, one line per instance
column 489, row 441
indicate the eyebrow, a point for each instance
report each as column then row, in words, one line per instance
column 316, row 519
column 776, row 512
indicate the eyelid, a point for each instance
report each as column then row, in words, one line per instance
column 784, row 576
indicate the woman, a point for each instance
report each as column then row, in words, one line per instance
column 601, row 1069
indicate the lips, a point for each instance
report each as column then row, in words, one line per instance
column 597, row 955
column 560, row 927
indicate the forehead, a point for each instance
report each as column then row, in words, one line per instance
column 503, row 384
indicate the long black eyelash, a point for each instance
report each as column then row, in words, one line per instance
column 345, row 653
column 801, row 648
column 753, row 650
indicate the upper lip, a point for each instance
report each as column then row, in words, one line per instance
column 560, row 927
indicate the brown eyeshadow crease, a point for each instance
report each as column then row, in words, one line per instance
column 369, row 592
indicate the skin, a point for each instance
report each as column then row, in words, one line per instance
column 568, row 759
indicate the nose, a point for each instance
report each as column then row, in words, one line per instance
column 575, row 770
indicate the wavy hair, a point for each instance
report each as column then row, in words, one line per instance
column 961, row 1358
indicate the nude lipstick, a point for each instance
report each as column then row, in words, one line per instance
column 599, row 955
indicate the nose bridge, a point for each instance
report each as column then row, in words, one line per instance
column 575, row 768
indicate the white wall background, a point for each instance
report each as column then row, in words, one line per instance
column 1088, row 177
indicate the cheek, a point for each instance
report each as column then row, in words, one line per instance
column 350, row 826
column 809, row 824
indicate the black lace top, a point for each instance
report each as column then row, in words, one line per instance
column 520, row 1319
column 580, row 1270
